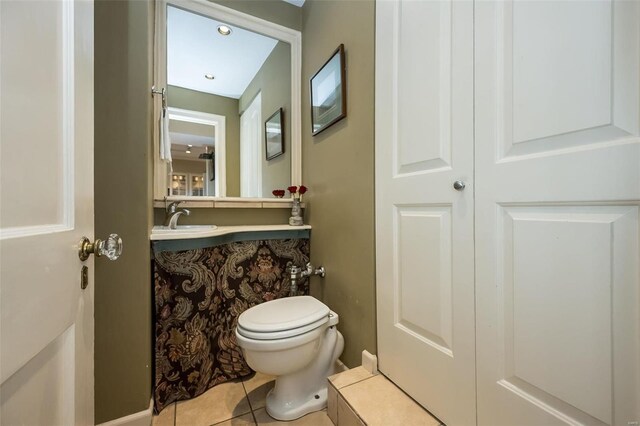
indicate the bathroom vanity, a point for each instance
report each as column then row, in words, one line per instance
column 203, row 279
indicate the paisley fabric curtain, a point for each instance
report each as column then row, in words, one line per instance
column 199, row 295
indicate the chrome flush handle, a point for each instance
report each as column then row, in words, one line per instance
column 111, row 248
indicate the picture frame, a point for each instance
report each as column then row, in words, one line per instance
column 329, row 93
column 274, row 135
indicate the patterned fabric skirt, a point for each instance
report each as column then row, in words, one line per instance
column 199, row 295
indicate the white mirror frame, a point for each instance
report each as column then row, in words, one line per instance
column 225, row 14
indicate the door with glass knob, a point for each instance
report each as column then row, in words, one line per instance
column 46, row 122
column 111, row 248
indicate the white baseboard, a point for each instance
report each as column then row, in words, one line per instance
column 141, row 418
column 370, row 362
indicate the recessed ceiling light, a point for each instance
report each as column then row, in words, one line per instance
column 190, row 146
column 224, row 30
column 209, row 76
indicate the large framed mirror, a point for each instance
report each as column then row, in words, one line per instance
column 225, row 74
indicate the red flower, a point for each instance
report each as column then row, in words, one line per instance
column 278, row 193
column 302, row 189
column 293, row 189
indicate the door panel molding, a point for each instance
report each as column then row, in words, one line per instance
column 422, row 87
column 58, row 214
column 563, row 68
column 423, row 253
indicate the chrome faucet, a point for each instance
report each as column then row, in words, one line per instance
column 296, row 273
column 173, row 214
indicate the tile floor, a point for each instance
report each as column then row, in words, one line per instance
column 240, row 402
column 355, row 398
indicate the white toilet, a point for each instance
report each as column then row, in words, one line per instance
column 296, row 340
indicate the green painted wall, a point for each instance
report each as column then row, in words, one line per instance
column 188, row 166
column 273, row 81
column 338, row 167
column 123, row 192
column 193, row 100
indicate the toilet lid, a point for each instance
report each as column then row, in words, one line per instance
column 283, row 314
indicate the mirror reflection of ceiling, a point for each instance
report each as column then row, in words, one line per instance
column 184, row 133
column 195, row 48
column 179, row 152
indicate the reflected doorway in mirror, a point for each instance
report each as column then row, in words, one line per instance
column 198, row 144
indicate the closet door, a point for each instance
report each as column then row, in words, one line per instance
column 424, row 227
column 557, row 187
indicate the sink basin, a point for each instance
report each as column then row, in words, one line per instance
column 183, row 228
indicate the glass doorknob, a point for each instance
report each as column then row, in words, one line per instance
column 111, row 248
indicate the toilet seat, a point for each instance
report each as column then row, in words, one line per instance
column 283, row 317
column 275, row 335
column 277, row 345
column 283, row 323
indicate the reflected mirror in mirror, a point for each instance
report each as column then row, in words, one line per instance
column 193, row 154
column 218, row 68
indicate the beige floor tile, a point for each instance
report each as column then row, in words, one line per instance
column 379, row 402
column 317, row 418
column 257, row 388
column 332, row 403
column 346, row 416
column 247, row 419
column 349, row 377
column 220, row 403
column 167, row 417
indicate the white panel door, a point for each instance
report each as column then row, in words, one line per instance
column 424, row 227
column 46, row 205
column 251, row 149
column 557, row 122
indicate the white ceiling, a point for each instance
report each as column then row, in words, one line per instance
column 190, row 139
column 195, row 48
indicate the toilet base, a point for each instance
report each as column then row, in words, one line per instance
column 305, row 391
column 287, row 413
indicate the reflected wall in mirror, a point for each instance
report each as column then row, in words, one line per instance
column 218, row 68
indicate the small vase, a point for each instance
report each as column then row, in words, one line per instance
column 296, row 213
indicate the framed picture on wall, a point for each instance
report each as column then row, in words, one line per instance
column 274, row 135
column 329, row 93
